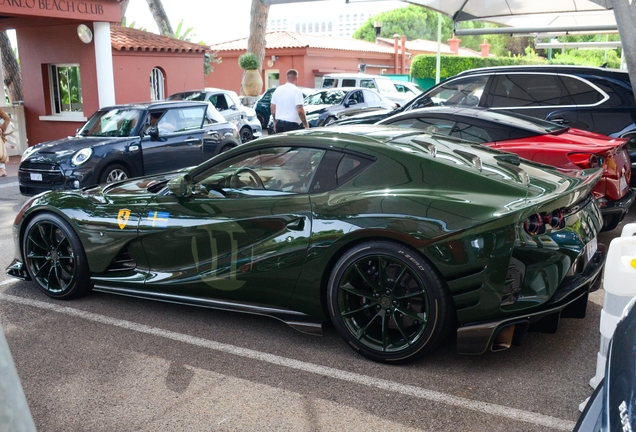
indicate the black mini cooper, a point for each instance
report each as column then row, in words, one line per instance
column 124, row 141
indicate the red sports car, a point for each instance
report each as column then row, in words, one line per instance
column 540, row 141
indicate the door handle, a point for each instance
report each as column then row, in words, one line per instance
column 559, row 120
column 191, row 141
column 297, row 224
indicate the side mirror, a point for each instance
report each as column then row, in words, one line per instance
column 351, row 102
column 153, row 132
column 233, row 107
column 181, row 186
column 422, row 102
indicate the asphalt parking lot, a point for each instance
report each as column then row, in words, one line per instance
column 113, row 363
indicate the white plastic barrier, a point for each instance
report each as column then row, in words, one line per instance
column 619, row 283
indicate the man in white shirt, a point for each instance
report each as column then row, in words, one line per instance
column 287, row 105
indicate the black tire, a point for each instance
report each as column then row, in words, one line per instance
column 261, row 119
column 226, row 148
column 114, row 172
column 55, row 258
column 388, row 303
column 329, row 120
column 246, row 134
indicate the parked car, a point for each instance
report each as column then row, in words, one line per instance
column 396, row 237
column 229, row 105
column 410, row 89
column 611, row 407
column 120, row 141
column 540, row 141
column 326, row 106
column 262, row 107
column 588, row 98
column 381, row 84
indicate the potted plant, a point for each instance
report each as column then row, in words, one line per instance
column 252, row 80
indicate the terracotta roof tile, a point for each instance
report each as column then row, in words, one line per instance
column 131, row 39
column 286, row 39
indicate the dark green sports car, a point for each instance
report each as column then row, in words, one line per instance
column 394, row 236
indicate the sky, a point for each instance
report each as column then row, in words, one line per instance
column 216, row 21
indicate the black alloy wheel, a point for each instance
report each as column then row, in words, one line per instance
column 55, row 258
column 388, row 303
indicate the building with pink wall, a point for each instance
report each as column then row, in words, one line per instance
column 313, row 56
column 111, row 65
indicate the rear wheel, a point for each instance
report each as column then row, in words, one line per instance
column 246, row 134
column 55, row 258
column 113, row 173
column 388, row 303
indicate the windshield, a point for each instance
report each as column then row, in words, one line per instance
column 329, row 97
column 117, row 122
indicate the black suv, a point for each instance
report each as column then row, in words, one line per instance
column 594, row 99
column 125, row 141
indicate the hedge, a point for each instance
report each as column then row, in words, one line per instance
column 423, row 65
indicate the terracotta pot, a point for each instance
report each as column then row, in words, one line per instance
column 252, row 83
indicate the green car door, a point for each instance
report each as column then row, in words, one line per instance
column 242, row 234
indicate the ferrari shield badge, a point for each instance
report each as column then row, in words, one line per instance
column 122, row 218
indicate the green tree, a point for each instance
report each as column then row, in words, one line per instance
column 416, row 22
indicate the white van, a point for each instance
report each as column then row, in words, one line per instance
column 378, row 83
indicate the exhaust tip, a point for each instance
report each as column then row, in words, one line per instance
column 503, row 338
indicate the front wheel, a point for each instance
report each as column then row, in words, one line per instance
column 388, row 303
column 246, row 134
column 329, row 121
column 113, row 173
column 55, row 258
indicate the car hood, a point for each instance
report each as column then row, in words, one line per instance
column 65, row 147
column 248, row 111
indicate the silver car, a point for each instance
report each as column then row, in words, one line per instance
column 230, row 107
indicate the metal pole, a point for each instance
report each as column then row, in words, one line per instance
column 439, row 48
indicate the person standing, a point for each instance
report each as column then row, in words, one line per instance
column 287, row 105
column 3, row 129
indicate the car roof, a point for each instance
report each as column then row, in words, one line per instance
column 354, row 75
column 511, row 119
column 548, row 68
column 158, row 105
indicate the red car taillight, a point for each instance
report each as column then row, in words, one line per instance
column 585, row 160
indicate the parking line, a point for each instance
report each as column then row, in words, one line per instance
column 430, row 395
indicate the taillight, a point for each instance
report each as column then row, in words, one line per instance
column 536, row 223
column 586, row 160
column 556, row 219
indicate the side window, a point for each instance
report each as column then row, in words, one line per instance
column 356, row 96
column 189, row 118
column 337, row 168
column 221, row 102
column 581, row 92
column 279, row 170
column 348, row 83
column 465, row 91
column 470, row 133
column 367, row 83
column 521, row 90
column 370, row 96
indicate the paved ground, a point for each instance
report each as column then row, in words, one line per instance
column 112, row 363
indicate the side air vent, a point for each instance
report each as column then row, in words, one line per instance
column 123, row 261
